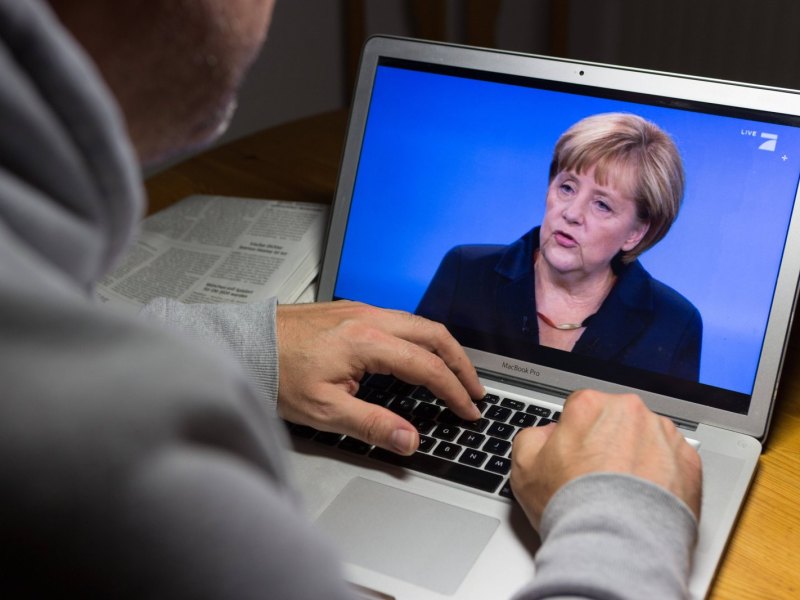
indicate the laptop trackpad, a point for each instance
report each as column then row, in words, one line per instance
column 407, row 536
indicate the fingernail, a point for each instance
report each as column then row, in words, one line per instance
column 403, row 441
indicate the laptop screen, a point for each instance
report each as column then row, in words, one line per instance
column 451, row 194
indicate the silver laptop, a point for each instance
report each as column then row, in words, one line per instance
column 450, row 146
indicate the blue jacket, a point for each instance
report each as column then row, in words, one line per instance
column 486, row 294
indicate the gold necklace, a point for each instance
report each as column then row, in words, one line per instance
column 565, row 326
column 571, row 326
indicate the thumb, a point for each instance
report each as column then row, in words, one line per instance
column 525, row 470
column 375, row 425
column 530, row 441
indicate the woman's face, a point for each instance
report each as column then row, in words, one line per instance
column 586, row 224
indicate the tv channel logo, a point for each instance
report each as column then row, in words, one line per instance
column 770, row 142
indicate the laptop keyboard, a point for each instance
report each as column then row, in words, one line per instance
column 472, row 453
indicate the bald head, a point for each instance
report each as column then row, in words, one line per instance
column 173, row 65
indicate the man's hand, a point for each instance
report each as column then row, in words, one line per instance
column 326, row 348
column 601, row 432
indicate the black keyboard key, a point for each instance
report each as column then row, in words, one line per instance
column 496, row 446
column 473, row 458
column 482, row 406
column 423, row 410
column 498, row 413
column 506, row 492
column 522, row 419
column 478, row 425
column 351, row 444
column 539, row 411
column 544, row 422
column 498, row 464
column 491, row 398
column 448, row 417
column 425, row 443
column 512, row 404
column 471, row 439
column 501, row 430
column 401, row 388
column 423, row 394
column 556, row 416
column 423, row 425
column 439, row 467
column 446, row 432
column 379, row 397
column 380, row 381
column 328, row 438
column 402, row 405
column 447, row 450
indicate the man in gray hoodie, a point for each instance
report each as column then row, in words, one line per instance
column 136, row 462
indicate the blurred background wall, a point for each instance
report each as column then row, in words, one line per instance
column 308, row 62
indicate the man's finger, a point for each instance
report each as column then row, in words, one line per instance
column 434, row 337
column 385, row 353
column 525, row 483
column 373, row 424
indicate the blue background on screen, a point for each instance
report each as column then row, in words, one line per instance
column 449, row 160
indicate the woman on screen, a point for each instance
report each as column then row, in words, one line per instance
column 575, row 283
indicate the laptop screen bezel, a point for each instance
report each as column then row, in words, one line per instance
column 735, row 96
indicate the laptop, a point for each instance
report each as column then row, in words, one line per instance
column 450, row 146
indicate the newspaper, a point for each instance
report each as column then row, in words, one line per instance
column 214, row 249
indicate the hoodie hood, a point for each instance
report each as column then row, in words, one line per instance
column 70, row 185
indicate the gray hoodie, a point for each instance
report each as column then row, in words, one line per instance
column 135, row 464
column 132, row 464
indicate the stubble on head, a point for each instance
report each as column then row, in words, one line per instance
column 174, row 66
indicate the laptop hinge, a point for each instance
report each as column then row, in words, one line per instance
column 542, row 388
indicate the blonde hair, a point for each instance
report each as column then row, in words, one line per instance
column 612, row 141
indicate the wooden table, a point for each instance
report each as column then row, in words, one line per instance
column 299, row 161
